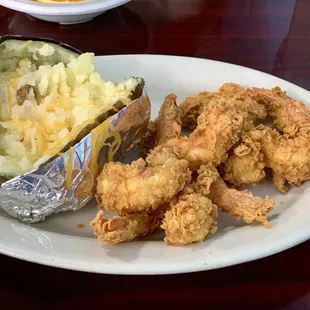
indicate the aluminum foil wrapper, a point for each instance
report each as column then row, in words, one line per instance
column 67, row 182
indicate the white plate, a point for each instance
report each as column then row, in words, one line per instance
column 58, row 241
column 63, row 13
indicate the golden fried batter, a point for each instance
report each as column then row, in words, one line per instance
column 217, row 131
column 166, row 126
column 289, row 115
column 245, row 165
column 193, row 106
column 288, row 157
column 192, row 216
column 168, row 121
column 126, row 228
column 133, row 188
column 279, row 182
column 229, row 96
column 162, row 192
column 241, row 204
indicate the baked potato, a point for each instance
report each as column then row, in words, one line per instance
column 59, row 123
column 51, row 97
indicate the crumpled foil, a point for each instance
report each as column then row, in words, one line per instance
column 58, row 186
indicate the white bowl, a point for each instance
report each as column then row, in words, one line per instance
column 63, row 13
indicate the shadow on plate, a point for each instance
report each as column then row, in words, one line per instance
column 71, row 223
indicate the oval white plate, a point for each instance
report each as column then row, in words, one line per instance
column 63, row 13
column 58, row 241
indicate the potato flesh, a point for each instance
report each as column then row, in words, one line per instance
column 44, row 108
column 38, row 52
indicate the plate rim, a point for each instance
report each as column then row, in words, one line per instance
column 289, row 241
column 174, row 268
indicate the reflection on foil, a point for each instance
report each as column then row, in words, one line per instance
column 67, row 182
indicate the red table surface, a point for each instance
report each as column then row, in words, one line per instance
column 269, row 35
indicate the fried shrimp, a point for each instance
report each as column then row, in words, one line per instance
column 241, row 204
column 229, row 96
column 288, row 156
column 245, row 165
column 126, row 228
column 289, row 115
column 168, row 121
column 217, row 131
column 180, row 186
column 192, row 216
column 136, row 187
column 166, row 126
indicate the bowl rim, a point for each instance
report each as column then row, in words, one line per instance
column 77, row 8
